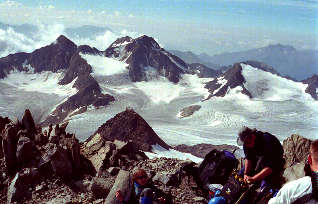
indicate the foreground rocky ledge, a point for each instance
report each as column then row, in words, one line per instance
column 51, row 166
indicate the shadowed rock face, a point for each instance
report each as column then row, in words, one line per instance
column 312, row 86
column 233, row 78
column 53, row 57
column 144, row 52
column 78, row 66
column 128, row 125
column 12, row 61
column 89, row 94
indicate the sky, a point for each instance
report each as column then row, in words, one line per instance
column 212, row 27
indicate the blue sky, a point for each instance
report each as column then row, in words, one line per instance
column 197, row 25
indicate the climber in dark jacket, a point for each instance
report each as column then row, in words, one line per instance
column 144, row 190
column 264, row 160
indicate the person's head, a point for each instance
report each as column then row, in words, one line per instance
column 140, row 176
column 247, row 137
column 313, row 156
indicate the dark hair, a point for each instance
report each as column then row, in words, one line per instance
column 244, row 132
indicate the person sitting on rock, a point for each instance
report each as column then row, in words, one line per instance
column 303, row 190
column 264, row 160
column 144, row 190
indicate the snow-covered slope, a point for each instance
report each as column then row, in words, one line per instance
column 268, row 86
column 244, row 95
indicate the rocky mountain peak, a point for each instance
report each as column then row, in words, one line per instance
column 130, row 126
column 143, row 54
column 62, row 40
column 121, row 41
column 148, row 42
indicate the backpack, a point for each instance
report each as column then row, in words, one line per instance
column 232, row 190
column 216, row 167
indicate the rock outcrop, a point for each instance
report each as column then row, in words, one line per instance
column 296, row 149
column 130, row 126
column 188, row 111
column 312, row 86
column 62, row 170
column 229, row 80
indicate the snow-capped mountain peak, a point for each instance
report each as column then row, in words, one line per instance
column 144, row 52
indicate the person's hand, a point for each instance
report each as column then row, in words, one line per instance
column 249, row 179
column 162, row 200
column 119, row 196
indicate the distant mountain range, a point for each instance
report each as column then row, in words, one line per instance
column 144, row 60
column 286, row 60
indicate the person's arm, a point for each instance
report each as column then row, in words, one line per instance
column 261, row 175
column 248, row 167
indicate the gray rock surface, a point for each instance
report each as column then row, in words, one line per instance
column 296, row 149
column 123, row 183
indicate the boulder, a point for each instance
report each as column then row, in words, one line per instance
column 73, row 147
column 9, row 145
column 113, row 171
column 101, row 187
column 104, row 154
column 19, row 186
column 57, row 158
column 41, row 139
column 188, row 111
column 99, row 156
column 25, row 150
column 3, row 122
column 50, row 130
column 125, row 152
column 83, row 185
column 168, row 179
column 294, row 172
column 123, row 183
column 55, row 139
column 296, row 149
column 28, row 122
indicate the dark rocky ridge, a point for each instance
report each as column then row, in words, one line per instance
column 203, row 71
column 312, row 86
column 233, row 76
column 129, row 126
column 144, row 52
column 64, row 55
column 200, row 150
column 53, row 57
column 233, row 79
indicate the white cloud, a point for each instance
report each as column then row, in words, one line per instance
column 117, row 13
column 18, row 42
column 10, row 3
column 131, row 16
